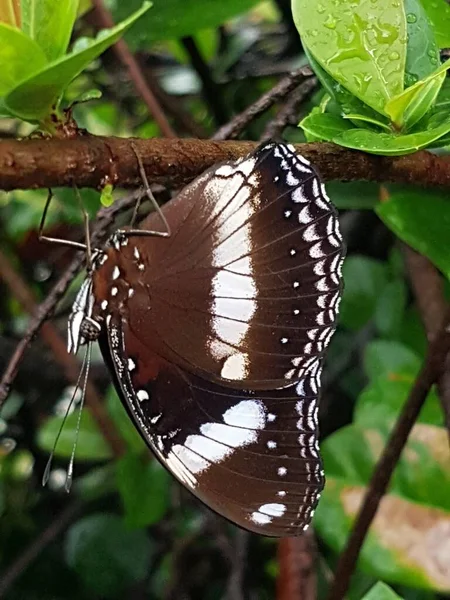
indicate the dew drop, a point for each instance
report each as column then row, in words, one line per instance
column 411, row 18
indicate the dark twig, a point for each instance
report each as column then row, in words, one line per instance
column 288, row 114
column 235, row 587
column 46, row 308
column 428, row 289
column 429, row 373
column 211, row 91
column 91, row 161
column 29, row 555
column 126, row 57
column 232, row 129
column 296, row 558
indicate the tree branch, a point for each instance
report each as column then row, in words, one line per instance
column 124, row 54
column 91, row 161
column 430, row 372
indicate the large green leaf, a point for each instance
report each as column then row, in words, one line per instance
column 354, row 195
column 34, row 99
column 91, row 443
column 107, row 556
column 381, row 591
column 422, row 55
column 362, row 45
column 407, row 542
column 438, row 12
column 325, row 126
column 386, row 357
column 20, row 57
column 384, row 397
column 390, row 308
column 412, row 104
column 171, row 19
column 392, row 144
column 49, row 23
column 363, row 278
column 422, row 220
column 351, row 107
column 144, row 487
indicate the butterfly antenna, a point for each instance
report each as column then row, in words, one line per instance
column 87, row 233
column 87, row 364
column 48, row 466
column 52, row 240
column 148, row 193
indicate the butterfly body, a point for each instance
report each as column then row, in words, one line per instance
column 216, row 335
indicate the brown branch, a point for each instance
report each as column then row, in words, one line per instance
column 296, row 578
column 428, row 290
column 211, row 91
column 91, row 161
column 283, row 88
column 46, row 537
column 127, row 58
column 288, row 115
column 70, row 365
column 46, row 308
column 429, row 373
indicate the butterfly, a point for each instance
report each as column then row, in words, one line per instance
column 215, row 335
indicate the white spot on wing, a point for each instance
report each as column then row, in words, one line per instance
column 247, row 413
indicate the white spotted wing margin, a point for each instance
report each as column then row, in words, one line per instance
column 252, row 457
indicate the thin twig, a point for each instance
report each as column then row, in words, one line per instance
column 29, row 555
column 288, row 115
column 126, row 57
column 428, row 287
column 46, row 308
column 232, row 129
column 296, row 559
column 235, row 587
column 211, row 91
column 430, row 372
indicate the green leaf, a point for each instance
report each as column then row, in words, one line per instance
column 443, row 99
column 353, row 195
column 422, row 54
column 381, row 591
column 91, row 444
column 382, row 400
column 34, row 99
column 390, row 308
column 363, row 279
column 391, row 144
column 325, row 126
column 438, row 12
column 107, row 556
column 422, row 220
column 399, row 547
column 144, row 487
column 383, row 358
column 412, row 104
column 49, row 23
column 351, row 107
column 172, row 19
column 20, row 57
column 362, row 45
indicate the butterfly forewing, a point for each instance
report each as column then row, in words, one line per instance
column 249, row 284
